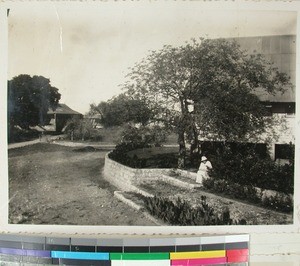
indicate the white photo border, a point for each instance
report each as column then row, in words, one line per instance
column 138, row 230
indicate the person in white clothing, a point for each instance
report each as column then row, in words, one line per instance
column 202, row 173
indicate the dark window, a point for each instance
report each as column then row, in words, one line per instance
column 279, row 108
column 268, row 110
column 284, row 151
column 290, row 108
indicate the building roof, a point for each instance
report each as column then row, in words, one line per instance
column 279, row 49
column 63, row 109
column 284, row 97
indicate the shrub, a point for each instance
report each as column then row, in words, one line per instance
column 17, row 134
column 245, row 166
column 144, row 136
column 82, row 129
column 111, row 134
column 179, row 212
column 166, row 160
column 120, row 154
column 136, row 138
column 280, row 202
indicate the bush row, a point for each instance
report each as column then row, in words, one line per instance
column 179, row 212
column 82, row 129
column 245, row 166
column 278, row 201
column 120, row 154
column 143, row 137
column 16, row 134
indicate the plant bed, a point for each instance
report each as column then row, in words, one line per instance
column 146, row 153
column 176, row 211
column 139, row 156
column 136, row 201
column 274, row 200
column 253, row 215
column 180, row 212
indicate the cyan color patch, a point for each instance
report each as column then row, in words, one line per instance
column 80, row 255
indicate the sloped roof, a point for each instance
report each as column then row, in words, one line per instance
column 279, row 49
column 286, row 96
column 63, row 109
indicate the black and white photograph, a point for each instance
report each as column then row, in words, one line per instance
column 150, row 114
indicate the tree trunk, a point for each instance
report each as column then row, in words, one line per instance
column 194, row 152
column 181, row 132
column 182, row 149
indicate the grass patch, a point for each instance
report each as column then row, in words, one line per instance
column 36, row 148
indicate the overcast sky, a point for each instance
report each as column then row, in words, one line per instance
column 86, row 50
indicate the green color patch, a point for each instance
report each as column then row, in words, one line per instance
column 139, row 256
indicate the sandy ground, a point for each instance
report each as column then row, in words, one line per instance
column 52, row 184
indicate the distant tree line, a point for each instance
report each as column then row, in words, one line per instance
column 122, row 109
column 29, row 99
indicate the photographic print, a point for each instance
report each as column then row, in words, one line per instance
column 150, row 114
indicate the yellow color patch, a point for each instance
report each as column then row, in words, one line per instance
column 197, row 254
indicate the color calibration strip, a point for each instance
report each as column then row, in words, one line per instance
column 204, row 250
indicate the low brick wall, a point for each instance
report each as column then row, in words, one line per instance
column 125, row 178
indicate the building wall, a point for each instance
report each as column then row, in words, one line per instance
column 61, row 120
column 58, row 121
column 281, row 50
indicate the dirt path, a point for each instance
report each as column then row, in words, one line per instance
column 52, row 184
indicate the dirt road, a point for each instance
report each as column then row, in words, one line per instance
column 52, row 184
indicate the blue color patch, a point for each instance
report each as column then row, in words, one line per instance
column 79, row 255
column 25, row 252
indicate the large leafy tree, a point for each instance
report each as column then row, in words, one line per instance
column 122, row 109
column 206, row 89
column 29, row 99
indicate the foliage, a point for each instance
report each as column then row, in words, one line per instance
column 111, row 134
column 208, row 85
column 243, row 165
column 166, row 160
column 237, row 191
column 82, row 129
column 279, row 202
column 18, row 135
column 29, row 99
column 179, row 212
column 135, row 138
column 120, row 154
column 121, row 109
column 144, row 135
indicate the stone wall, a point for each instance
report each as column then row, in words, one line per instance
column 125, row 178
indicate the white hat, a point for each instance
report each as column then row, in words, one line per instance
column 203, row 158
